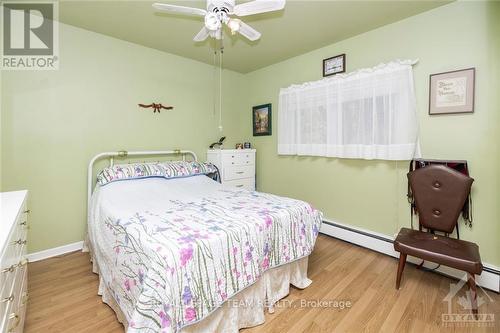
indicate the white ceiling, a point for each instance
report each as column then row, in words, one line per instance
column 301, row 27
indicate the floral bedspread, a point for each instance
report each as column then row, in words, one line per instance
column 171, row 269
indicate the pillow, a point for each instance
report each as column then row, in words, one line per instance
column 129, row 171
column 178, row 169
column 173, row 169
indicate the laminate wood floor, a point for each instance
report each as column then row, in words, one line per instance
column 63, row 297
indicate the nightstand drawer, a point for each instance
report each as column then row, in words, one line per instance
column 238, row 158
column 239, row 172
column 246, row 183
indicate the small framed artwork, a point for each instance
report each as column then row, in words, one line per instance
column 262, row 120
column 452, row 92
column 334, row 65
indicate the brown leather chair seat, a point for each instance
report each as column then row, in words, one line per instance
column 447, row 251
column 440, row 194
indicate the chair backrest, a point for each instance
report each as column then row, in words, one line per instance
column 440, row 193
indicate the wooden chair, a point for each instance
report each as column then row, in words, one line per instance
column 440, row 193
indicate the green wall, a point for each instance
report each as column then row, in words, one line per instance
column 495, row 17
column 55, row 121
column 371, row 194
column 52, row 123
column 1, row 137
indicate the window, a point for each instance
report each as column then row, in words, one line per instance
column 369, row 114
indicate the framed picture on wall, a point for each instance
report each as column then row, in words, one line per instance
column 452, row 92
column 262, row 120
column 334, row 65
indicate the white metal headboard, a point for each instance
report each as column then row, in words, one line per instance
column 124, row 154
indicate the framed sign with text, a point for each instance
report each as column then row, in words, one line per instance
column 452, row 92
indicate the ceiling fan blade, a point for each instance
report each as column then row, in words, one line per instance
column 202, row 35
column 258, row 6
column 179, row 9
column 248, row 32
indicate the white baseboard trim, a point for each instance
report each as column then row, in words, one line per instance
column 489, row 278
column 54, row 252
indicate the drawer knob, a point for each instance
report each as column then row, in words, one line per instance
column 9, row 269
column 24, row 223
column 239, row 185
column 27, row 211
column 8, row 299
column 20, row 242
column 239, row 172
column 26, row 296
column 17, row 319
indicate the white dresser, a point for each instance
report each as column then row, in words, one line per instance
column 13, row 263
column 236, row 166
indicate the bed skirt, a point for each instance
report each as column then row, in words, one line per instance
column 243, row 310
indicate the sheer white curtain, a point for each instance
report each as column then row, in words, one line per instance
column 368, row 114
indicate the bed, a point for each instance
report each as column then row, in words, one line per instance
column 187, row 254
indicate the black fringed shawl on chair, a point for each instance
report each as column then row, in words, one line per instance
column 458, row 165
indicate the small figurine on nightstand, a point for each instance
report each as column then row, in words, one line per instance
column 217, row 144
column 239, row 146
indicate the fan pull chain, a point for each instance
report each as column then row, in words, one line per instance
column 221, row 55
column 214, row 75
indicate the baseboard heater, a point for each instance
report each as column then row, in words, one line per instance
column 490, row 278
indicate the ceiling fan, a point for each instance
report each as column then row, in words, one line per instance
column 219, row 12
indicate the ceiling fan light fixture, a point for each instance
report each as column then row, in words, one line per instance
column 218, row 13
column 212, row 22
column 234, row 25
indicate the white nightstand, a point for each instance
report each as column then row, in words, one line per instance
column 236, row 166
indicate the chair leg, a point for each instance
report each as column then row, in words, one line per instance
column 401, row 266
column 473, row 294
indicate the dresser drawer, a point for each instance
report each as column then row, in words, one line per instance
column 20, row 244
column 12, row 260
column 13, row 320
column 246, row 183
column 8, row 265
column 13, row 283
column 239, row 172
column 238, row 158
column 19, row 236
column 6, row 292
column 5, row 318
column 22, row 301
column 15, row 308
column 7, row 302
column 21, row 226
